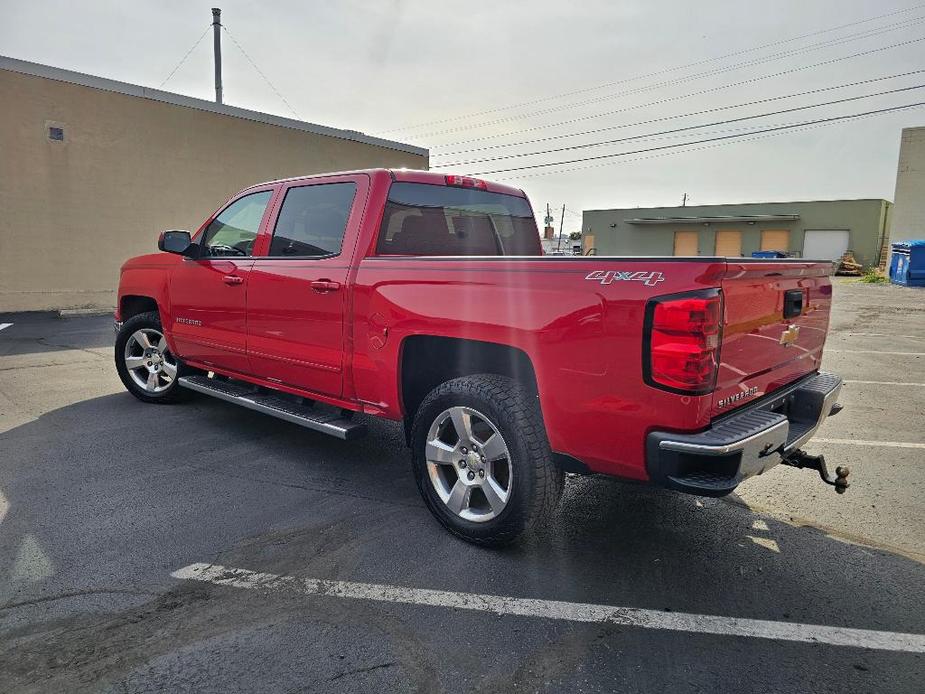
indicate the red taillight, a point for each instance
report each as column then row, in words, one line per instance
column 683, row 335
column 466, row 182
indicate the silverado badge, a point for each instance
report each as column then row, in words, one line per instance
column 789, row 337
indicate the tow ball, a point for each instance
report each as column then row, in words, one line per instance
column 802, row 459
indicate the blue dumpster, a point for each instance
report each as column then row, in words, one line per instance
column 769, row 254
column 907, row 265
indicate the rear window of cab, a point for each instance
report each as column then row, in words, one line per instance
column 424, row 219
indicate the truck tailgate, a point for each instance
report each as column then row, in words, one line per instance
column 775, row 321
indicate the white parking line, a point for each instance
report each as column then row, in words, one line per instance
column 874, row 351
column 5, row 325
column 887, row 444
column 555, row 609
column 910, row 337
column 886, row 383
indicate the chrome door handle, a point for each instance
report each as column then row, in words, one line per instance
column 232, row 279
column 324, row 286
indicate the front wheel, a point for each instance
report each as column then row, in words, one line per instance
column 482, row 461
column 144, row 362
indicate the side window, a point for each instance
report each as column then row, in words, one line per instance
column 312, row 220
column 234, row 230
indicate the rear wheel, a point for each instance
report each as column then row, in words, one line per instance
column 144, row 362
column 481, row 459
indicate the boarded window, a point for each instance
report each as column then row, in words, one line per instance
column 729, row 243
column 587, row 244
column 685, row 243
column 775, row 240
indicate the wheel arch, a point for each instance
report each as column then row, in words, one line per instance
column 426, row 361
column 133, row 304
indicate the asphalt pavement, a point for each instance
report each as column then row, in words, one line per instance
column 334, row 577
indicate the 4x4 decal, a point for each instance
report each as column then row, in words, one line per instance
column 650, row 279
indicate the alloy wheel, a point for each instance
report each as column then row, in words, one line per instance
column 149, row 362
column 469, row 464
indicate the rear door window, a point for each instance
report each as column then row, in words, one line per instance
column 423, row 219
column 312, row 220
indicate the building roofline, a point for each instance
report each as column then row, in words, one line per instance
column 92, row 81
column 736, row 204
column 750, row 218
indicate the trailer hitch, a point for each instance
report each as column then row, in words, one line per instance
column 802, row 459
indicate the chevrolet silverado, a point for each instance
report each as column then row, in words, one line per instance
column 425, row 298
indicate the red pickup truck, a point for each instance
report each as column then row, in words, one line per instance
column 425, row 299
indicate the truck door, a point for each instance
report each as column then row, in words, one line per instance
column 208, row 294
column 297, row 287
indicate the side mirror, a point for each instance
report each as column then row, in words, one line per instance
column 176, row 241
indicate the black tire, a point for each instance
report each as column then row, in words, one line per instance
column 172, row 392
column 536, row 481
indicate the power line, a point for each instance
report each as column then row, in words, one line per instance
column 678, row 130
column 697, row 142
column 183, row 59
column 715, row 109
column 700, row 92
column 747, row 137
column 679, row 80
column 656, row 73
column 260, row 72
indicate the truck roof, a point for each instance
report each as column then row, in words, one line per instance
column 403, row 175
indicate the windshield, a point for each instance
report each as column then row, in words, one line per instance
column 423, row 219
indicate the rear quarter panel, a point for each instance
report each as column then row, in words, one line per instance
column 581, row 331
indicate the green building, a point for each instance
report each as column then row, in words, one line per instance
column 822, row 229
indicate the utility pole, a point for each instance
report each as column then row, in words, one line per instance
column 561, row 224
column 548, row 229
column 217, row 47
column 684, row 200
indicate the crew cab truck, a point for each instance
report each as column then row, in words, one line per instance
column 425, row 299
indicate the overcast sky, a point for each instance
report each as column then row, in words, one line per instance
column 380, row 66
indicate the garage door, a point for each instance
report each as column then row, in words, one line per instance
column 685, row 242
column 775, row 240
column 728, row 243
column 825, row 244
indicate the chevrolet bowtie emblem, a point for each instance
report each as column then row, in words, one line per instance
column 789, row 337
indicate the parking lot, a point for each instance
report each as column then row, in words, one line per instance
column 332, row 576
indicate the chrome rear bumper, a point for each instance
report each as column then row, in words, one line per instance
column 747, row 442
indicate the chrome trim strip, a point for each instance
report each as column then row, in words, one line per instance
column 683, row 447
column 829, row 401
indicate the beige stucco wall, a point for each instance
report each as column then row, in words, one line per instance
column 71, row 212
column 908, row 219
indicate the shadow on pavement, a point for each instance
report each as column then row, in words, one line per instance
column 35, row 333
column 109, row 495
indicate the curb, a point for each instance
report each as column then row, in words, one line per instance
column 72, row 312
